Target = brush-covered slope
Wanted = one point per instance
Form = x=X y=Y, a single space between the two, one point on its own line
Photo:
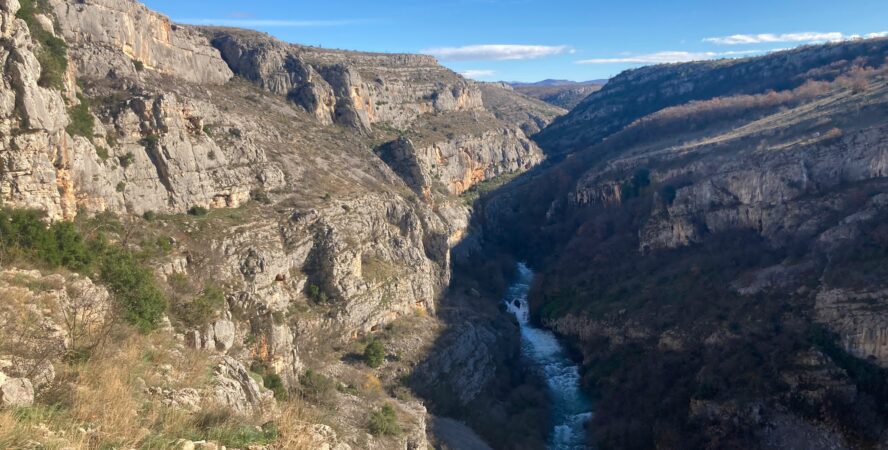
x=514 y=107
x=714 y=249
x=637 y=93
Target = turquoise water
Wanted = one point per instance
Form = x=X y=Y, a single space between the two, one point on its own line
x=571 y=408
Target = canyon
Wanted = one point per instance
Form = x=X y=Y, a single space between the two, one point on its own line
x=212 y=238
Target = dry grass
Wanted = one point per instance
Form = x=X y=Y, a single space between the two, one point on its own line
x=106 y=406
x=292 y=427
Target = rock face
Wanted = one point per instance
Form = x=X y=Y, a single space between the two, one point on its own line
x=349 y=88
x=461 y=162
x=765 y=191
x=33 y=165
x=164 y=160
x=858 y=319
x=122 y=38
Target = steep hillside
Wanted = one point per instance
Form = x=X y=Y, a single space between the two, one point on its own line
x=220 y=205
x=637 y=93
x=513 y=107
x=714 y=242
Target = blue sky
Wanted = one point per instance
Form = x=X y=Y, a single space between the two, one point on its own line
x=530 y=40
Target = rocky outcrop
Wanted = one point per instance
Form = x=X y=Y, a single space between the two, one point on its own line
x=236 y=389
x=33 y=147
x=218 y=336
x=769 y=192
x=122 y=38
x=15 y=392
x=859 y=320
x=461 y=162
x=350 y=88
x=164 y=159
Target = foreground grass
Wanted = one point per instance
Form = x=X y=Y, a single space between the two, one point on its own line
x=102 y=404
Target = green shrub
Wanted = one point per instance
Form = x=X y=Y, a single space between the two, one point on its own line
x=149 y=215
x=203 y=308
x=53 y=52
x=23 y=234
x=316 y=295
x=374 y=354
x=198 y=211
x=82 y=121
x=140 y=301
x=274 y=383
x=221 y=426
x=102 y=152
x=384 y=422
x=260 y=196
x=121 y=186
x=138 y=65
x=164 y=244
x=111 y=140
x=316 y=387
x=271 y=380
x=127 y=160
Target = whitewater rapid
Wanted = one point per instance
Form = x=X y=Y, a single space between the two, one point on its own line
x=571 y=409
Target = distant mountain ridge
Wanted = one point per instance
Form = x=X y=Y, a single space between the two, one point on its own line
x=561 y=93
x=554 y=82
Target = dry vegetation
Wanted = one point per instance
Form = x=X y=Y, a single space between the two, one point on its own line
x=103 y=403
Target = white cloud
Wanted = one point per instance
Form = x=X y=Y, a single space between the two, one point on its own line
x=668 y=57
x=496 y=52
x=475 y=74
x=742 y=39
x=271 y=23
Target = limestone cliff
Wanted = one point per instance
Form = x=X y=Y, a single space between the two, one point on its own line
x=461 y=157
x=122 y=38
x=350 y=88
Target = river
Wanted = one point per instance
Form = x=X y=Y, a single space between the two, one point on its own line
x=571 y=408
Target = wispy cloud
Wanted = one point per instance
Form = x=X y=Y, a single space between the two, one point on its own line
x=477 y=73
x=280 y=23
x=742 y=39
x=241 y=15
x=496 y=52
x=669 y=57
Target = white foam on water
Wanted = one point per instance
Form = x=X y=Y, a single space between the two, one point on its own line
x=570 y=407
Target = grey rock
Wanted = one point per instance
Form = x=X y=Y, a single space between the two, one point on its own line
x=350 y=88
x=106 y=36
x=235 y=389
x=16 y=392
